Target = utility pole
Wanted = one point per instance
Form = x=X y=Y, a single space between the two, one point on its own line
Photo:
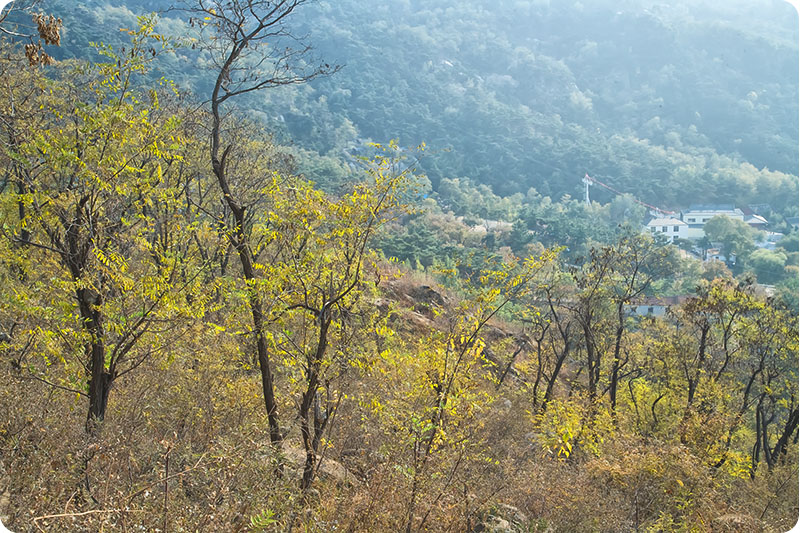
x=586 y=182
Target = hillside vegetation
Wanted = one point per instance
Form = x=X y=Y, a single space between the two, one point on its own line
x=672 y=104
x=206 y=327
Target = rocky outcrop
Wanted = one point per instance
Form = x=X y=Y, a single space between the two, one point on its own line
x=329 y=469
x=736 y=522
x=425 y=300
x=416 y=305
x=410 y=295
x=501 y=518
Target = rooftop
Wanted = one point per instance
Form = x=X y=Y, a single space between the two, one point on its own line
x=663 y=300
x=712 y=207
x=666 y=222
x=755 y=219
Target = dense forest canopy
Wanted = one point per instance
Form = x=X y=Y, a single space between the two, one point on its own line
x=668 y=102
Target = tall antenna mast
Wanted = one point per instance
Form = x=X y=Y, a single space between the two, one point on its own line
x=586 y=182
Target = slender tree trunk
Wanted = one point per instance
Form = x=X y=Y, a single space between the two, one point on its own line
x=510 y=363
x=25 y=234
x=594 y=367
x=738 y=418
x=653 y=409
x=257 y=311
x=765 y=439
x=312 y=435
x=548 y=393
x=264 y=366
x=789 y=427
x=756 y=453
x=615 y=363
x=240 y=243
x=539 y=372
x=701 y=357
x=267 y=385
x=308 y=435
x=412 y=501
x=693 y=380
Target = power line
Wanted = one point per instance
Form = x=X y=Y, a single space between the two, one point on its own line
x=595 y=181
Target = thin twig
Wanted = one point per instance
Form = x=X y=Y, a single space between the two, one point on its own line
x=84 y=513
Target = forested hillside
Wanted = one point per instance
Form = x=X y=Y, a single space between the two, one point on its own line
x=670 y=103
x=250 y=285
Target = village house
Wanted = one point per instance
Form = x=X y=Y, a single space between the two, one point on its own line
x=671 y=228
x=753 y=219
x=697 y=215
x=715 y=254
x=650 y=306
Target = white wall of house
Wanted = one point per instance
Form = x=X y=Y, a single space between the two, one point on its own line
x=647 y=310
x=695 y=233
x=697 y=216
x=672 y=228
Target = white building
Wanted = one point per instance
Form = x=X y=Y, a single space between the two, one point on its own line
x=672 y=228
x=697 y=216
x=715 y=254
x=649 y=306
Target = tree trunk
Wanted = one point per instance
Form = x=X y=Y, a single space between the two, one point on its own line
x=264 y=366
x=510 y=363
x=100 y=378
x=240 y=243
x=308 y=437
x=738 y=418
x=312 y=436
x=594 y=366
x=267 y=385
x=548 y=393
x=615 y=363
x=99 y=387
x=789 y=427
x=701 y=358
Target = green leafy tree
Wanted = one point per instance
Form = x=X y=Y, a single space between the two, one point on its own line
x=790 y=242
x=436 y=389
x=737 y=238
x=768 y=265
x=613 y=278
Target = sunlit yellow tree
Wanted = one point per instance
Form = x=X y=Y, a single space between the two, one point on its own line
x=100 y=257
x=442 y=387
x=321 y=274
